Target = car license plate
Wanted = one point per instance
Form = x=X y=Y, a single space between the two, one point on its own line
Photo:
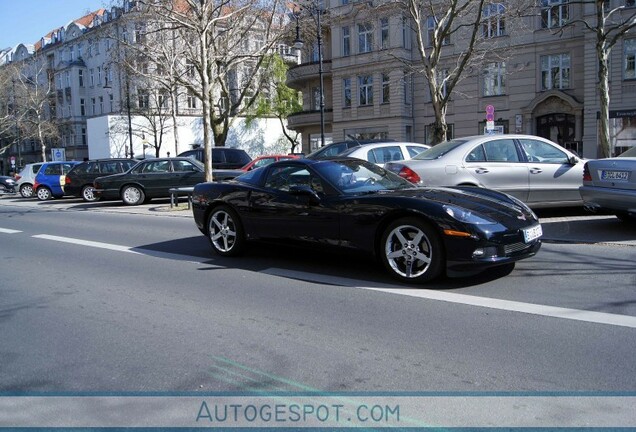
x=614 y=175
x=532 y=233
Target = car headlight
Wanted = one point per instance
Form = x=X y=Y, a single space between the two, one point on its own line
x=467 y=216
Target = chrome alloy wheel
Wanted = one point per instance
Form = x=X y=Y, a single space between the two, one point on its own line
x=408 y=251
x=222 y=231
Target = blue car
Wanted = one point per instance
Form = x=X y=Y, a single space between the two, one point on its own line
x=50 y=180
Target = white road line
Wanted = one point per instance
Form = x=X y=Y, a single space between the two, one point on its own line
x=487 y=302
x=9 y=231
x=119 y=248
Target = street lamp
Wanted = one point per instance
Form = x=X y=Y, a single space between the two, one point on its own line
x=298 y=44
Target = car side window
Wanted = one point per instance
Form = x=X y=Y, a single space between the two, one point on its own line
x=217 y=156
x=53 y=170
x=538 y=151
x=476 y=155
x=282 y=178
x=413 y=151
x=183 y=166
x=262 y=162
x=157 y=167
x=108 y=167
x=503 y=150
x=385 y=154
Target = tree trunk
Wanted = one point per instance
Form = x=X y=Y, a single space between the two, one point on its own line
x=605 y=145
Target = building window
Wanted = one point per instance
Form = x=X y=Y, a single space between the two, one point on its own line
x=140 y=33
x=99 y=75
x=384 y=33
x=555 y=71
x=629 y=49
x=84 y=141
x=365 y=85
x=554 y=13
x=365 y=37
x=191 y=100
x=315 y=98
x=494 y=79
x=386 y=89
x=346 y=41
x=406 y=33
x=431 y=25
x=101 y=104
x=111 y=101
x=68 y=78
x=407 y=89
x=346 y=92
x=442 y=78
x=190 y=68
x=143 y=99
x=162 y=100
x=91 y=77
x=93 y=106
x=493 y=23
x=82 y=107
x=81 y=77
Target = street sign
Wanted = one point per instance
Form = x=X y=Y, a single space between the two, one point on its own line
x=12 y=160
x=58 y=154
x=490 y=117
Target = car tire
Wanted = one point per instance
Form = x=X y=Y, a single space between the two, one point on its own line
x=88 y=194
x=412 y=250
x=132 y=195
x=26 y=190
x=225 y=232
x=43 y=193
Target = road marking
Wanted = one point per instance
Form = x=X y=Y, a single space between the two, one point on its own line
x=486 y=302
x=9 y=231
x=119 y=248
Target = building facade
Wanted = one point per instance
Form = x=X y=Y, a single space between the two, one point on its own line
x=540 y=76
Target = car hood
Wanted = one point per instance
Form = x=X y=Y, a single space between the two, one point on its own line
x=496 y=205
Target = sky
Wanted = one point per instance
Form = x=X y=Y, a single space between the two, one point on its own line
x=26 y=21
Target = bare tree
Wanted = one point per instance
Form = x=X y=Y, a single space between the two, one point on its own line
x=223 y=45
x=609 y=27
x=453 y=37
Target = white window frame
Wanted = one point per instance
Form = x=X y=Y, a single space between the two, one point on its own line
x=346 y=92
x=629 y=59
x=384 y=33
x=493 y=20
x=365 y=90
x=494 y=79
x=386 y=88
x=554 y=13
x=346 y=41
x=553 y=68
x=365 y=38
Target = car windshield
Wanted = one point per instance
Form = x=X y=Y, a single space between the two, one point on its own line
x=439 y=150
x=629 y=153
x=358 y=176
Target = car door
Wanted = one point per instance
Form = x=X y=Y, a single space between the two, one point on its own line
x=187 y=173
x=496 y=164
x=552 y=177
x=157 y=178
x=276 y=211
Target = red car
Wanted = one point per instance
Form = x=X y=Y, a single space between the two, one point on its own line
x=261 y=161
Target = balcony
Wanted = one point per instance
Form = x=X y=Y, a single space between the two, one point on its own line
x=308 y=118
x=298 y=75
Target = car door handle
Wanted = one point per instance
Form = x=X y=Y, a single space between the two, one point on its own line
x=481 y=170
x=536 y=170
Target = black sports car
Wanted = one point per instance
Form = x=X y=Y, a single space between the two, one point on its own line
x=416 y=232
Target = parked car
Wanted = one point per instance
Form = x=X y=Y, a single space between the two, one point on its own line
x=261 y=161
x=381 y=153
x=25 y=179
x=222 y=157
x=79 y=180
x=416 y=232
x=610 y=185
x=532 y=169
x=334 y=149
x=7 y=185
x=150 y=178
x=50 y=179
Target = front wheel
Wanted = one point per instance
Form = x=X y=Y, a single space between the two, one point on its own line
x=88 y=194
x=412 y=250
x=26 y=190
x=132 y=195
x=226 y=232
x=43 y=193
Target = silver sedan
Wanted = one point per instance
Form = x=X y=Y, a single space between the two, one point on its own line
x=610 y=185
x=530 y=168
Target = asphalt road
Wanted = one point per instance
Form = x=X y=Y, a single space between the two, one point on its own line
x=100 y=297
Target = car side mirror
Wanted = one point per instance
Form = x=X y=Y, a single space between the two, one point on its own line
x=573 y=160
x=305 y=191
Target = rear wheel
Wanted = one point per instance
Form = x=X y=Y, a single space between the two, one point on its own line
x=44 y=193
x=26 y=190
x=226 y=232
x=88 y=194
x=132 y=195
x=412 y=250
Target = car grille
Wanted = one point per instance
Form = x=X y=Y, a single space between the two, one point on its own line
x=513 y=248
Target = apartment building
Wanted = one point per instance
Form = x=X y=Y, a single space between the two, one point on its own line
x=99 y=107
x=542 y=81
